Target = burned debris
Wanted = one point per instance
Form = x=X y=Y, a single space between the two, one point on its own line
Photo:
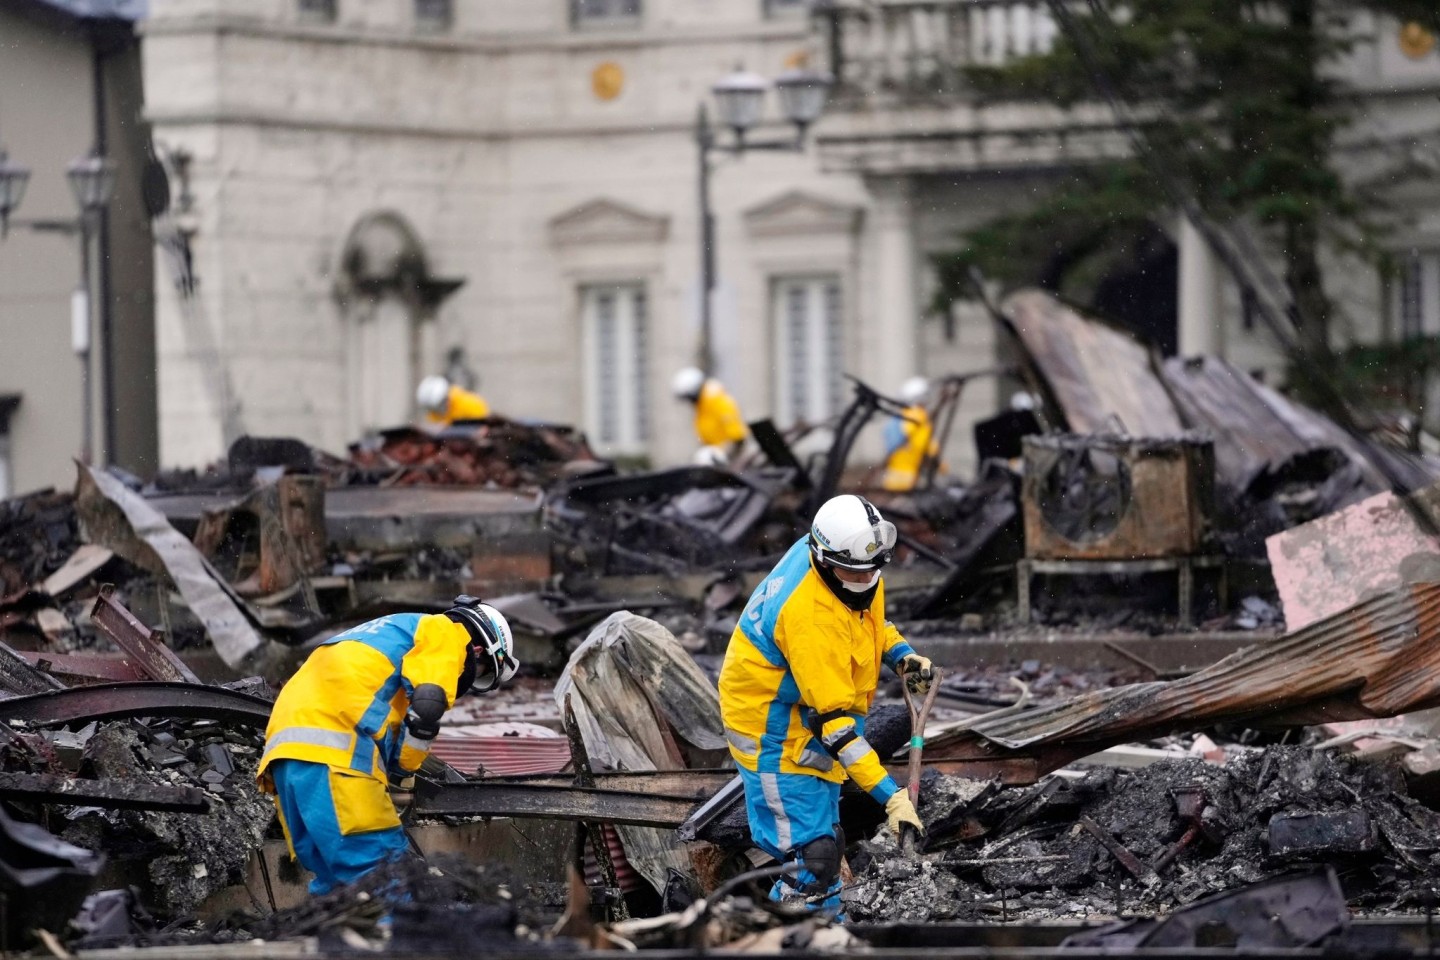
x=1150 y=841
x=1140 y=508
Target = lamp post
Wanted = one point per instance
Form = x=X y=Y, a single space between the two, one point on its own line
x=92 y=181
x=740 y=101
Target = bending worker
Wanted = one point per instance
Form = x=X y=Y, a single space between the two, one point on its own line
x=718 y=424
x=358 y=717
x=798 y=679
x=445 y=402
x=909 y=438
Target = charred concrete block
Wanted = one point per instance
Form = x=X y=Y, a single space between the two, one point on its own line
x=1305 y=835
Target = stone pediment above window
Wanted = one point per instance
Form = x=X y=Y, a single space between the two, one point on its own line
x=607 y=221
x=798 y=212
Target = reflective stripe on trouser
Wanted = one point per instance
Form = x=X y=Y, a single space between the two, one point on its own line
x=312 y=826
x=787 y=811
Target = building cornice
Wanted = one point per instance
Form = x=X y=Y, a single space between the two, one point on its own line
x=499 y=43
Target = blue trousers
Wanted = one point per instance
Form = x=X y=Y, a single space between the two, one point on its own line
x=312 y=825
x=787 y=811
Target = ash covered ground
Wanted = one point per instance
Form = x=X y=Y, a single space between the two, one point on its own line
x=1037 y=861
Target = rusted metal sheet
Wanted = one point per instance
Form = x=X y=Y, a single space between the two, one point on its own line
x=1096 y=374
x=1379 y=658
x=1258 y=431
x=1117 y=498
x=110 y=794
x=85 y=666
x=115 y=701
x=155 y=660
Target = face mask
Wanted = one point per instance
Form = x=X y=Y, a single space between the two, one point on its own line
x=862 y=587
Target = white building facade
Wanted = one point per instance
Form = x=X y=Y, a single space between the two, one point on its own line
x=375 y=190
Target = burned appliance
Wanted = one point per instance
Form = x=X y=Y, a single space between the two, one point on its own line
x=1103 y=497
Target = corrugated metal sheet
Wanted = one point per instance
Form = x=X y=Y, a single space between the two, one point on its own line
x=503 y=749
x=1094 y=372
x=1379 y=658
x=1257 y=429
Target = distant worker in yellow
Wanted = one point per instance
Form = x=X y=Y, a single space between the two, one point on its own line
x=909 y=438
x=445 y=402
x=718 y=424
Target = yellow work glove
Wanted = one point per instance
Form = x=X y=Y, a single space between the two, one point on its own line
x=899 y=810
x=917 y=673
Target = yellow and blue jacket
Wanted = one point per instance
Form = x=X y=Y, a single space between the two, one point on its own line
x=909 y=438
x=461 y=404
x=800 y=675
x=717 y=417
x=345 y=706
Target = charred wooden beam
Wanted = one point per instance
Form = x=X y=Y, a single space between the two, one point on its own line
x=111 y=794
x=489 y=799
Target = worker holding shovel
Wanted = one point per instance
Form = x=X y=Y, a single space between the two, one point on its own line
x=799 y=677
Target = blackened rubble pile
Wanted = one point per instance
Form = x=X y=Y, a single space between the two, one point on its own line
x=441 y=906
x=1049 y=851
x=186 y=856
x=175 y=859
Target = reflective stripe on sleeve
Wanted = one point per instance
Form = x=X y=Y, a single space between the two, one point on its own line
x=412 y=742
x=856 y=749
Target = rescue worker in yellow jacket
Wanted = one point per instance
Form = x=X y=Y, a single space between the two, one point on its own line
x=358 y=718
x=718 y=424
x=798 y=680
x=909 y=438
x=445 y=402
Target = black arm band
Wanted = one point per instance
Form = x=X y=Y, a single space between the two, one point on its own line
x=818 y=721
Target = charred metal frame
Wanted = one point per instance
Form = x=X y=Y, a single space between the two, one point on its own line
x=155 y=660
x=120 y=701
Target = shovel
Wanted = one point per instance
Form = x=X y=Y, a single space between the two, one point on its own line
x=918 y=717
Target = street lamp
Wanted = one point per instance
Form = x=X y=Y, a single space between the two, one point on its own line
x=13 y=179
x=92 y=181
x=740 y=102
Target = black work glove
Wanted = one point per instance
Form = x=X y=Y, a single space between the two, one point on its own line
x=917 y=672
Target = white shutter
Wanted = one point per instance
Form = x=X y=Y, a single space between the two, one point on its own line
x=809 y=349
x=616 y=343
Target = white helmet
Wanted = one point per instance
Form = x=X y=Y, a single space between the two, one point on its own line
x=849 y=532
x=491 y=659
x=432 y=393
x=688 y=382
x=1022 y=401
x=710 y=456
x=912 y=391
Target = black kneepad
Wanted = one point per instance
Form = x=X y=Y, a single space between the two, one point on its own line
x=821 y=857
